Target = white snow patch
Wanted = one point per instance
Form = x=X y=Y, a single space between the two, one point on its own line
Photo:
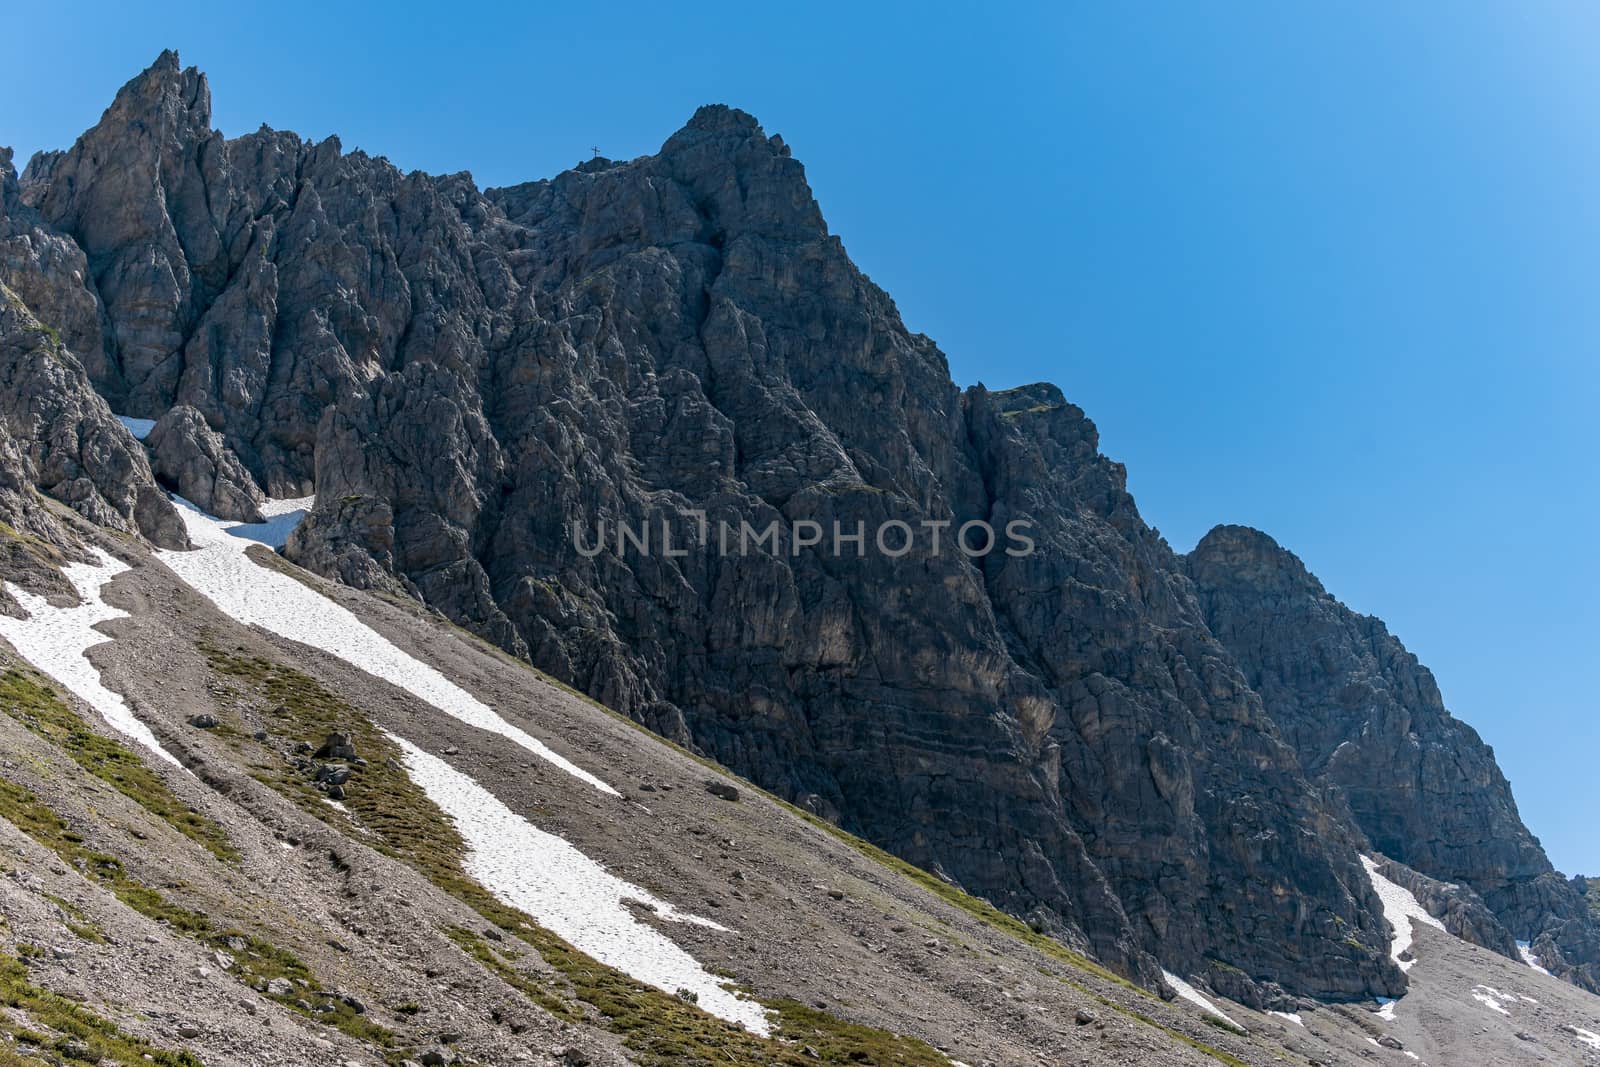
x=570 y=894
x=1386 y=1011
x=1401 y=908
x=255 y=596
x=1413 y=1055
x=282 y=517
x=1588 y=1037
x=1195 y=997
x=56 y=640
x=1525 y=950
x=140 y=428
x=1289 y=1016
x=1493 y=998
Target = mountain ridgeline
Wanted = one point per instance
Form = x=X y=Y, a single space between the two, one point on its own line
x=1169 y=761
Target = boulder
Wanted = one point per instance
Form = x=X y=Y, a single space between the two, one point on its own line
x=197 y=463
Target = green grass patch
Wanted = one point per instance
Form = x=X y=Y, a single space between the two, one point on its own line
x=257 y=962
x=38 y=708
x=559 y=1003
x=1178 y=1035
x=662 y=1030
x=977 y=907
x=76 y=921
x=50 y=333
x=83 y=1035
x=1222 y=1024
x=1037 y=409
x=87 y=931
x=10 y=1057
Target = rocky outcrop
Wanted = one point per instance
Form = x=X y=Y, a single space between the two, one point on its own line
x=59 y=438
x=47 y=272
x=1462 y=911
x=1366 y=717
x=676 y=345
x=180 y=228
x=188 y=455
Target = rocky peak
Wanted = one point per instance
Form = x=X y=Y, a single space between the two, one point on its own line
x=175 y=97
x=715 y=117
x=137 y=190
x=742 y=178
x=1367 y=718
x=1243 y=555
x=8 y=182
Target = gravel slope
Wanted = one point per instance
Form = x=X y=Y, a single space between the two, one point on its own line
x=805 y=915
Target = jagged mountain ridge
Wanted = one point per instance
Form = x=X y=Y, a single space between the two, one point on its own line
x=1367 y=718
x=461 y=374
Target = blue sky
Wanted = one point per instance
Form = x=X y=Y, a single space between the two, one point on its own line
x=1328 y=272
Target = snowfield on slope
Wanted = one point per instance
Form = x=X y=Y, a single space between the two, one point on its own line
x=560 y=887
x=56 y=640
x=1525 y=950
x=219 y=570
x=1588 y=1037
x=1195 y=997
x=570 y=894
x=1493 y=999
x=1400 y=909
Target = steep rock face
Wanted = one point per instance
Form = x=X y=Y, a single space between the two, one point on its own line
x=1462 y=911
x=1366 y=717
x=59 y=437
x=1157 y=730
x=47 y=271
x=676 y=343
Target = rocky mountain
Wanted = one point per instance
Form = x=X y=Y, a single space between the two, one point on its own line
x=1172 y=763
x=1367 y=719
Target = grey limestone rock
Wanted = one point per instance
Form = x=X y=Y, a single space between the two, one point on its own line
x=57 y=436
x=1367 y=719
x=188 y=455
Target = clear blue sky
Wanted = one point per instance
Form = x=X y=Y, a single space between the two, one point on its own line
x=1326 y=271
